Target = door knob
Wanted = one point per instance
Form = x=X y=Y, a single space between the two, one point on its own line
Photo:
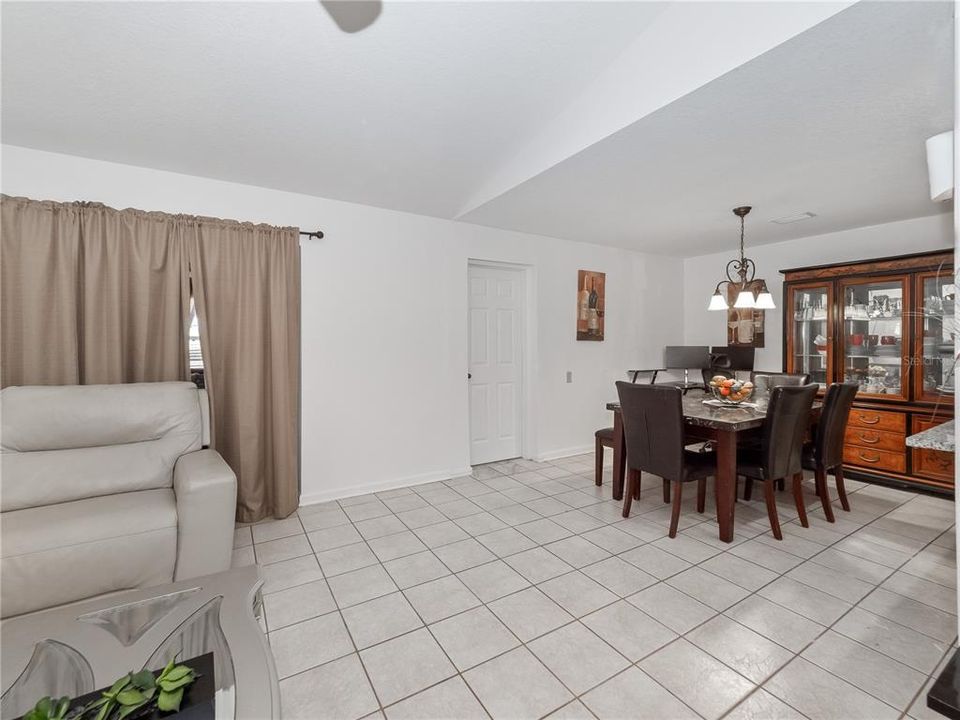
x=469 y=375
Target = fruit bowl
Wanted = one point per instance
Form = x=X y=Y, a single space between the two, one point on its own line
x=730 y=391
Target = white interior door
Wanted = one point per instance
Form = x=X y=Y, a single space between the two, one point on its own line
x=496 y=358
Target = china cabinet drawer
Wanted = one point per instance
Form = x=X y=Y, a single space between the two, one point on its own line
x=878 y=439
x=934 y=464
x=928 y=463
x=878 y=420
x=879 y=459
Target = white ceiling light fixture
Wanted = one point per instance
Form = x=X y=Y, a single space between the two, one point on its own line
x=940 y=166
x=796 y=217
x=745 y=271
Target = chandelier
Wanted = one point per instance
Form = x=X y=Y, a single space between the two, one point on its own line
x=740 y=273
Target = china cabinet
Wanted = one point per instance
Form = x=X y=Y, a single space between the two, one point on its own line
x=887 y=325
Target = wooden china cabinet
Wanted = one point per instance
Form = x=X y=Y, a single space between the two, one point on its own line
x=887 y=325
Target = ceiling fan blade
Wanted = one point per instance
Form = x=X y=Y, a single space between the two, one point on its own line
x=353 y=15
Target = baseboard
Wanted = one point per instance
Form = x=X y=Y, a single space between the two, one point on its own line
x=341 y=493
x=565 y=452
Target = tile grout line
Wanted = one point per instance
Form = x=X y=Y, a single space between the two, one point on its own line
x=427 y=626
x=605 y=522
x=574 y=620
x=845 y=613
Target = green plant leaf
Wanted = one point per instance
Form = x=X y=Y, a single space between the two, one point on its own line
x=104 y=709
x=170 y=701
x=128 y=710
x=118 y=685
x=131 y=696
x=144 y=680
x=178 y=672
x=170 y=686
x=62 y=708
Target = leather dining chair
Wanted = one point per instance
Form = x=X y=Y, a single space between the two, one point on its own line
x=780 y=378
x=767 y=381
x=826 y=452
x=653 y=427
x=779 y=454
x=603 y=438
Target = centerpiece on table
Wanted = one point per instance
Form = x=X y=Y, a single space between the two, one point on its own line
x=184 y=691
x=730 y=391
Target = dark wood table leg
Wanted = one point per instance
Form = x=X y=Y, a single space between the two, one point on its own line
x=619 y=456
x=726 y=482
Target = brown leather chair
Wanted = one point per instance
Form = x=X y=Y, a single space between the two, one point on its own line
x=780 y=378
x=772 y=380
x=603 y=438
x=653 y=427
x=826 y=452
x=779 y=454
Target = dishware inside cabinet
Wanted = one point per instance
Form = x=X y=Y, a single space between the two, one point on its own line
x=873 y=331
x=936 y=329
x=811 y=332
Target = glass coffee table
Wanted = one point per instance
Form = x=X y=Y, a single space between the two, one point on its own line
x=78 y=648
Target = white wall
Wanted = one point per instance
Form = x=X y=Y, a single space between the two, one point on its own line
x=384 y=319
x=701 y=274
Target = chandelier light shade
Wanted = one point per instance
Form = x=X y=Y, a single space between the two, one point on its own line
x=718 y=302
x=741 y=272
x=744 y=299
x=764 y=299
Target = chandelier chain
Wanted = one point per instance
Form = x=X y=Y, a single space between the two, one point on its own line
x=742 y=253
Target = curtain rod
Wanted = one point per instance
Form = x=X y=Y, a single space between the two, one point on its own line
x=318 y=234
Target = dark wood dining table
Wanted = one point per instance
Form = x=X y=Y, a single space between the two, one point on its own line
x=725 y=427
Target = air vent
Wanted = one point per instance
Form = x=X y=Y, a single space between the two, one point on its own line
x=798 y=217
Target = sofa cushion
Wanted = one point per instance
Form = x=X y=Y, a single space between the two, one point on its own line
x=70 y=551
x=63 y=443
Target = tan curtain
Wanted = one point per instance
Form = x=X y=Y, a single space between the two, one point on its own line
x=39 y=306
x=91 y=295
x=135 y=297
x=246 y=286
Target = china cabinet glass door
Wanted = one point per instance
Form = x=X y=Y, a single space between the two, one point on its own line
x=812 y=332
x=875 y=341
x=936 y=326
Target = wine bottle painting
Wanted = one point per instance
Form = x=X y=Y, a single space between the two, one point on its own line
x=591 y=304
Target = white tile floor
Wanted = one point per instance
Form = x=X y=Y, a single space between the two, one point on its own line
x=520 y=592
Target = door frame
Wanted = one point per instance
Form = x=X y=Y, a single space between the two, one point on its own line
x=528 y=348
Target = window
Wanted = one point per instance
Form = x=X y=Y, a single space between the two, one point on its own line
x=196 y=352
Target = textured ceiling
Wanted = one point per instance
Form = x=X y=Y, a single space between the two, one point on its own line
x=536 y=116
x=832 y=122
x=406 y=114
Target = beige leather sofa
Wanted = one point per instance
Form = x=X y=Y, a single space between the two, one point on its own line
x=106 y=488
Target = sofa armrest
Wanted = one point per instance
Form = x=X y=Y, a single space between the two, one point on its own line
x=206 y=491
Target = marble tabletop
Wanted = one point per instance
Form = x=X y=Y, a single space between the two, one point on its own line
x=718 y=418
x=940 y=437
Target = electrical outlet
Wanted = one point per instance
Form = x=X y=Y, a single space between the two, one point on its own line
x=569 y=376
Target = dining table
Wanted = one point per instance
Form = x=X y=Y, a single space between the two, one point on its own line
x=724 y=426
